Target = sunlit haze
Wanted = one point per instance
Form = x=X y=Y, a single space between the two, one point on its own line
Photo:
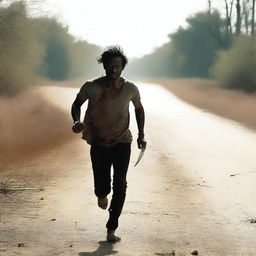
x=138 y=26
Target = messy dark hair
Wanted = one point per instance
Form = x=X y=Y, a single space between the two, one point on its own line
x=111 y=52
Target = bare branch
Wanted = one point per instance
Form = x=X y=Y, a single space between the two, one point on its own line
x=253 y=18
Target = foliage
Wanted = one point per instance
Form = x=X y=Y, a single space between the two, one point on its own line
x=83 y=59
x=33 y=47
x=65 y=57
x=57 y=43
x=235 y=67
x=194 y=47
x=190 y=52
x=20 y=48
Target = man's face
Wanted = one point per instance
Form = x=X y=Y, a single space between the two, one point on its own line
x=114 y=68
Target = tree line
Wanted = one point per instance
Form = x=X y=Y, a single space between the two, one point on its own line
x=223 y=48
x=32 y=48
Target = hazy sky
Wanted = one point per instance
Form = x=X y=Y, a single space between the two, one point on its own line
x=137 y=25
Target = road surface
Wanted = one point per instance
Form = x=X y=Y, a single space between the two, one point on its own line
x=194 y=189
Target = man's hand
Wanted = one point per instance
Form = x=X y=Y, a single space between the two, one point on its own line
x=78 y=127
x=141 y=142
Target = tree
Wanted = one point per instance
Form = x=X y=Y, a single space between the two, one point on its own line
x=194 y=48
x=238 y=18
x=65 y=56
x=245 y=15
x=253 y=18
x=20 y=48
x=229 y=10
x=191 y=50
x=209 y=6
x=244 y=11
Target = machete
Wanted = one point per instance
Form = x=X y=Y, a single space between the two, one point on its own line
x=140 y=155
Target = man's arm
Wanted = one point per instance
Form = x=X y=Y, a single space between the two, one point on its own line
x=81 y=97
x=140 y=118
x=75 y=112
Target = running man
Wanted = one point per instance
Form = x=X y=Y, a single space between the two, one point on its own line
x=106 y=129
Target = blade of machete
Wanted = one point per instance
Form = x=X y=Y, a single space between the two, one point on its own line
x=140 y=155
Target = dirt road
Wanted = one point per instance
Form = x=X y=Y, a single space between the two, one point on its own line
x=193 y=190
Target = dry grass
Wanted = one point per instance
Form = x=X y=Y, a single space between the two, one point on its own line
x=4 y=185
x=208 y=95
x=9 y=185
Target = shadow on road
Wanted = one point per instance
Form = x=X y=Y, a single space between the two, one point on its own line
x=105 y=248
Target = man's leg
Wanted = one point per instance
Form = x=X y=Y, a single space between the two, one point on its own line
x=101 y=165
x=121 y=157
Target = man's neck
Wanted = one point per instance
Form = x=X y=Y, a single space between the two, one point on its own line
x=114 y=83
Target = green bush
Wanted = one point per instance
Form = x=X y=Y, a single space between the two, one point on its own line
x=236 y=68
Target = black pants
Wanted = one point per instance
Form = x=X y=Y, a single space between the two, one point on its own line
x=102 y=160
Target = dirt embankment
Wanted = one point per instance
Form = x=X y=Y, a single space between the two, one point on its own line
x=207 y=95
x=29 y=125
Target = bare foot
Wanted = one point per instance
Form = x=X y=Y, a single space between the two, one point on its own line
x=111 y=237
x=103 y=203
